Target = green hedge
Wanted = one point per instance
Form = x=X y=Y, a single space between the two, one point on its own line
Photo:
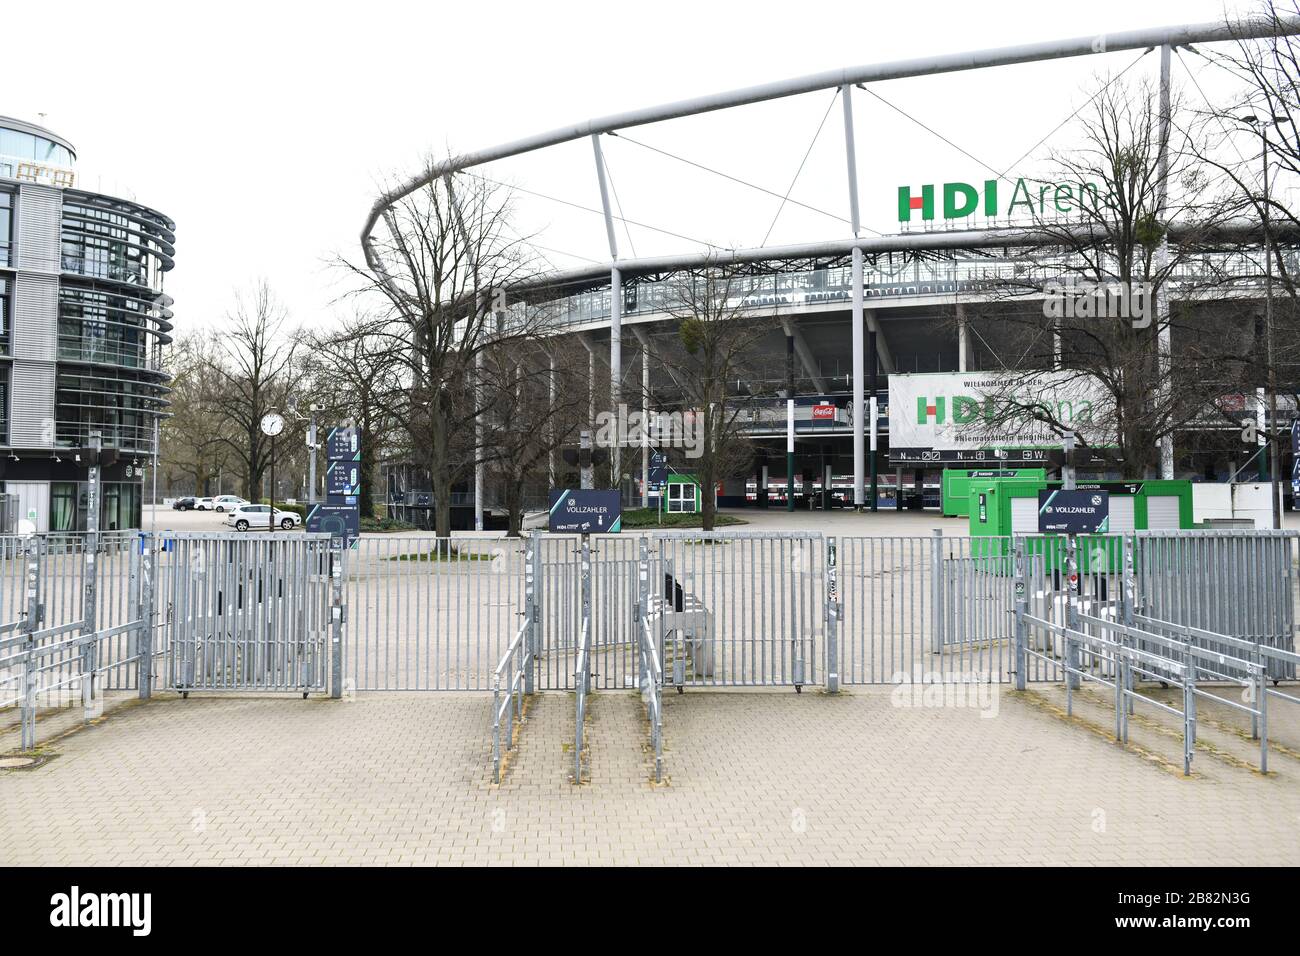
x=298 y=509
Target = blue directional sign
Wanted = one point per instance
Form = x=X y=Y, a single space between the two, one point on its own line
x=1074 y=512
x=1295 y=467
x=341 y=520
x=585 y=512
x=343 y=478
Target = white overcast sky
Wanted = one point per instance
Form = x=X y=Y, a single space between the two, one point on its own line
x=264 y=128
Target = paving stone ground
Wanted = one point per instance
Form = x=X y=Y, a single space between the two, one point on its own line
x=754 y=778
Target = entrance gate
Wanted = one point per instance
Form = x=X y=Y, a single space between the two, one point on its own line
x=247 y=613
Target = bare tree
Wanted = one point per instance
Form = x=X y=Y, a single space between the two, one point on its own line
x=1102 y=269
x=442 y=265
x=254 y=372
x=711 y=362
x=1265 y=107
x=353 y=374
x=189 y=442
x=533 y=399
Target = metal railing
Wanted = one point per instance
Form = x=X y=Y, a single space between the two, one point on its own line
x=652 y=687
x=513 y=670
x=69 y=641
x=1249 y=670
x=651 y=665
x=582 y=685
x=1124 y=661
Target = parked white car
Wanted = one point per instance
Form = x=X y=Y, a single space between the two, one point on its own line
x=257 y=518
x=225 y=503
x=202 y=504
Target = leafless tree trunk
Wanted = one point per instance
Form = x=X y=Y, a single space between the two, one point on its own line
x=711 y=360
x=255 y=372
x=442 y=268
x=1106 y=233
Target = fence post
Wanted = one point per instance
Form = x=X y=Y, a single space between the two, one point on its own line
x=338 y=616
x=31 y=622
x=1022 y=609
x=586 y=606
x=1261 y=705
x=90 y=581
x=530 y=612
x=832 y=617
x=1071 y=608
x=936 y=590
x=144 y=613
x=642 y=607
x=1128 y=609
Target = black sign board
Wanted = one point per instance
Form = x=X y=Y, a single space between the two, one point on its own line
x=1074 y=512
x=341 y=520
x=585 y=512
x=343 y=478
x=658 y=470
x=343 y=444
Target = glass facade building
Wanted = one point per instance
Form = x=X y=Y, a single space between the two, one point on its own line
x=83 y=321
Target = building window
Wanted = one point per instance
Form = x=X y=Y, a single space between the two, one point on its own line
x=98 y=326
x=119 y=510
x=63 y=506
x=6 y=226
x=5 y=287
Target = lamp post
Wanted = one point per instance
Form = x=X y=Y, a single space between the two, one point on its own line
x=1274 y=463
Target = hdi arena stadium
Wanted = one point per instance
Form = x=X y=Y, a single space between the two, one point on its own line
x=898 y=299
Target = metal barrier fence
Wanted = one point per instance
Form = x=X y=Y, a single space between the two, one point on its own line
x=516 y=668
x=247 y=612
x=80 y=622
x=690 y=608
x=428 y=613
x=1240 y=583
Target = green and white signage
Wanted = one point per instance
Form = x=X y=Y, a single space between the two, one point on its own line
x=988 y=416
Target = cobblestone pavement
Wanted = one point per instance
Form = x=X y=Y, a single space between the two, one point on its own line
x=755 y=777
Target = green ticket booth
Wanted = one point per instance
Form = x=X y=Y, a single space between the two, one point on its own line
x=1005 y=507
x=958 y=482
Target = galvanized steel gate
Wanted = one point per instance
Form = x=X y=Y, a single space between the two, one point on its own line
x=247 y=613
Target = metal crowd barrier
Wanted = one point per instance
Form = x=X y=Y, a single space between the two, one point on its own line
x=514 y=668
x=70 y=641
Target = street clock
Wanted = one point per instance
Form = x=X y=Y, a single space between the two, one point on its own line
x=272 y=424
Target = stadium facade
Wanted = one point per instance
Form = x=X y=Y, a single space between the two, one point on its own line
x=912 y=294
x=83 y=319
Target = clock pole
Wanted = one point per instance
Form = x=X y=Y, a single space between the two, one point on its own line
x=271 y=516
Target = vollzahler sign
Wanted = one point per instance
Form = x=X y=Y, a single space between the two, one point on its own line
x=1073 y=512
x=575 y=511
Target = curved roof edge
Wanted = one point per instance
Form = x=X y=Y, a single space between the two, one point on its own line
x=1242 y=29
x=22 y=126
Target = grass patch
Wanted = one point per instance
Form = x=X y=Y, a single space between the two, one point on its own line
x=651 y=518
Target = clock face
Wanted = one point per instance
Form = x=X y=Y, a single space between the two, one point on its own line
x=272 y=424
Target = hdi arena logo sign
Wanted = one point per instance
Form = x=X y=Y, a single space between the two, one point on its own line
x=1024 y=197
